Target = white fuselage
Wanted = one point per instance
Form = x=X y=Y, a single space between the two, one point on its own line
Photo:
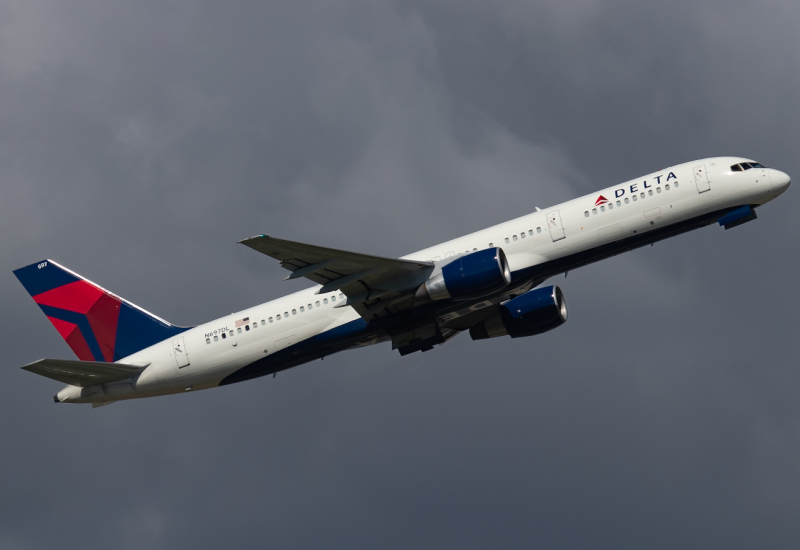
x=634 y=208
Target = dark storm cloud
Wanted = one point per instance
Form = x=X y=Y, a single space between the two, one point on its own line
x=138 y=142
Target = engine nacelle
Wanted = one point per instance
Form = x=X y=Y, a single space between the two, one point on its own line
x=470 y=276
x=534 y=312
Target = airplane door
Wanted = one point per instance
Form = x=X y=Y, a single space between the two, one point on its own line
x=555 y=226
x=179 y=350
x=701 y=179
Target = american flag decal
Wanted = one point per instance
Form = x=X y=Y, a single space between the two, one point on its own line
x=242 y=322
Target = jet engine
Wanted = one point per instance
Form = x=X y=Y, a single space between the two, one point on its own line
x=534 y=312
x=470 y=276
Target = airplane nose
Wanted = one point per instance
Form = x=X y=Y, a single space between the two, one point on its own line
x=780 y=181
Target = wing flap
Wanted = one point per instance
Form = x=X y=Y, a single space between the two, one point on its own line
x=83 y=373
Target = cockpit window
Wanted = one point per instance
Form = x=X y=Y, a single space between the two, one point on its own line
x=746 y=165
x=757 y=165
x=736 y=168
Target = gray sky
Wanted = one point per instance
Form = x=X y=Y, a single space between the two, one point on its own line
x=139 y=141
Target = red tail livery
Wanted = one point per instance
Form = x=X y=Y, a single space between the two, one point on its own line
x=96 y=324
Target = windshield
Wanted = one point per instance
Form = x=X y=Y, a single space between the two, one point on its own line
x=746 y=166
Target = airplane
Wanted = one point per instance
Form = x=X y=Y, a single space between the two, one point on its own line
x=486 y=283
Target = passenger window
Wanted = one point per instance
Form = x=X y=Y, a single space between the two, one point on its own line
x=325 y=301
x=223 y=336
x=586 y=213
x=317 y=303
x=658 y=190
x=538 y=229
x=474 y=249
x=255 y=325
x=302 y=309
x=333 y=298
x=515 y=238
x=246 y=328
x=263 y=322
x=666 y=187
x=239 y=330
x=270 y=319
x=602 y=209
x=208 y=340
x=278 y=316
x=677 y=184
x=231 y=334
x=530 y=232
x=294 y=312
x=650 y=192
x=626 y=200
x=285 y=314
x=216 y=338
x=522 y=235
x=491 y=245
x=619 y=203
x=594 y=210
x=611 y=206
x=642 y=194
x=341 y=296
x=507 y=241
x=310 y=307
x=635 y=198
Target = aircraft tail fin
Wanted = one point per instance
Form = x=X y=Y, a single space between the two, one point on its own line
x=97 y=324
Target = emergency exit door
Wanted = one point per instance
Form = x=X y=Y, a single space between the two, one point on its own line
x=179 y=351
x=701 y=179
x=554 y=225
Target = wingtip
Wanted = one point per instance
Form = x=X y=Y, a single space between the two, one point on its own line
x=244 y=241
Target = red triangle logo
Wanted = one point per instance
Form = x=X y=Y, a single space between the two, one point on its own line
x=600 y=200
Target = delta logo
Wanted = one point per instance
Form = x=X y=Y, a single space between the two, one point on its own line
x=634 y=188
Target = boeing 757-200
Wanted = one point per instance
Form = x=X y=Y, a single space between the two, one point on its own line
x=486 y=283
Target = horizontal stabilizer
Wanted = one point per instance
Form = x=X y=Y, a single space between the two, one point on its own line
x=83 y=373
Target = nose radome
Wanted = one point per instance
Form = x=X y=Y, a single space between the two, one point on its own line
x=780 y=181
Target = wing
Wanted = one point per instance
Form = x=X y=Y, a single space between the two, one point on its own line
x=374 y=286
x=83 y=373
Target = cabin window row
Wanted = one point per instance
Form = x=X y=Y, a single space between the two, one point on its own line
x=277 y=317
x=627 y=200
x=522 y=235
